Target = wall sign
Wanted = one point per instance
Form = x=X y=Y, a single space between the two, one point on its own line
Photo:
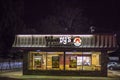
x=77 y=41
x=65 y=39
x=69 y=41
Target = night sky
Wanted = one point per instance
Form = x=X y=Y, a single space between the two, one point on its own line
x=51 y=17
x=105 y=15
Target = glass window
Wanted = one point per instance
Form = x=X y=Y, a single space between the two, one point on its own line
x=55 y=60
x=82 y=61
x=73 y=61
x=46 y=60
x=37 y=60
x=79 y=60
x=86 y=60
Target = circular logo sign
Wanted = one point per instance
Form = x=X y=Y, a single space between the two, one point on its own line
x=77 y=41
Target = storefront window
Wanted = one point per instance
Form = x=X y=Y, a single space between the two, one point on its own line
x=55 y=60
x=86 y=60
x=82 y=61
x=79 y=60
x=73 y=61
x=37 y=60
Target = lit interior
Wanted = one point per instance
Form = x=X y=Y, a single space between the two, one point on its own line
x=73 y=61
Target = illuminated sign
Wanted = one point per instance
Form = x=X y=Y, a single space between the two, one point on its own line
x=65 y=39
x=77 y=41
x=70 y=41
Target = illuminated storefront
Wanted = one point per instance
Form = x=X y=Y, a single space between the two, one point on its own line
x=84 y=55
x=73 y=61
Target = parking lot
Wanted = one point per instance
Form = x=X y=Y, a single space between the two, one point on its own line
x=17 y=75
x=113 y=73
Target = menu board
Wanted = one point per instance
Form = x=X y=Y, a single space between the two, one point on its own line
x=73 y=62
x=55 y=61
x=37 y=61
x=86 y=61
x=79 y=60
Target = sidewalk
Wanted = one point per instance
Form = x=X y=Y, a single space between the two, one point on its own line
x=18 y=76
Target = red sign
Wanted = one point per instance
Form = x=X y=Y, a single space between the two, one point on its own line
x=77 y=41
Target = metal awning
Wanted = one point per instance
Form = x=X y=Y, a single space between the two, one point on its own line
x=66 y=41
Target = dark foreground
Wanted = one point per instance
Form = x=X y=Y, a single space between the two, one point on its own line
x=17 y=75
x=80 y=78
x=6 y=78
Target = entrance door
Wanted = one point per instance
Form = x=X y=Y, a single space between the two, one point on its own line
x=37 y=62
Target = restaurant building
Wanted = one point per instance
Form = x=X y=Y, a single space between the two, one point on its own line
x=78 y=55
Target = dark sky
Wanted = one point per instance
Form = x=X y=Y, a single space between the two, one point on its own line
x=104 y=13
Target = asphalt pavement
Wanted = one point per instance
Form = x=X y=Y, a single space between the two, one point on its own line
x=17 y=75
